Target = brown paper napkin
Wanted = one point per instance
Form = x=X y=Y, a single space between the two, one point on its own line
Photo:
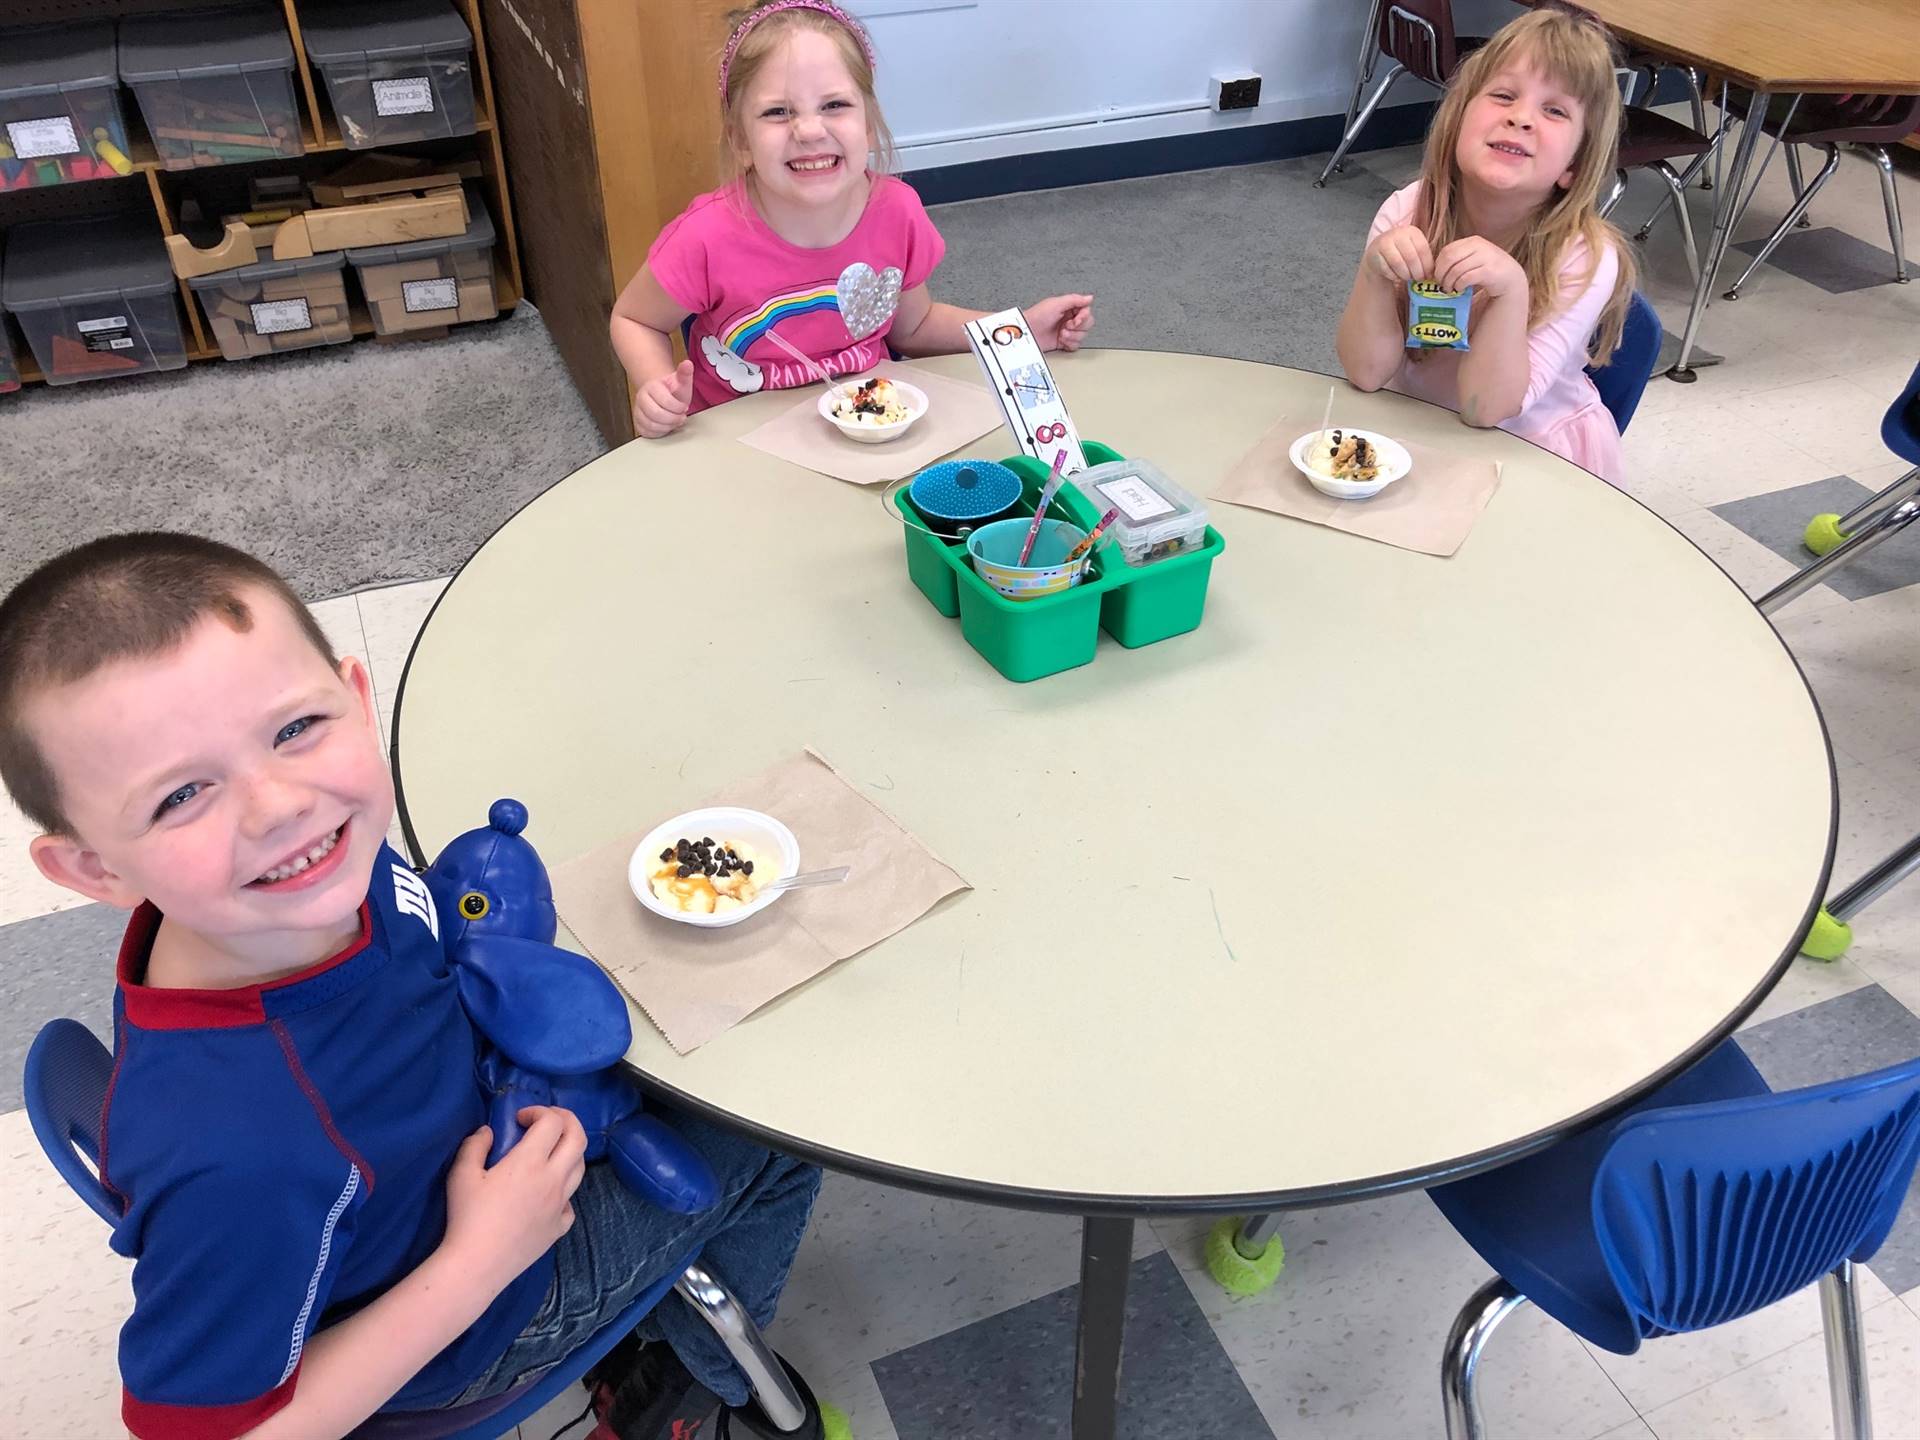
x=1430 y=510
x=958 y=413
x=695 y=983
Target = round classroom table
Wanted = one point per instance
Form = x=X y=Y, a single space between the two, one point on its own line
x=1397 y=868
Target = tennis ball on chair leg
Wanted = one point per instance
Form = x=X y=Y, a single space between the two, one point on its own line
x=834 y=1424
x=1828 y=939
x=1824 y=534
x=1234 y=1272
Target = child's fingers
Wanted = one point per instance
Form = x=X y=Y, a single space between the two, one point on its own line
x=472 y=1154
x=683 y=382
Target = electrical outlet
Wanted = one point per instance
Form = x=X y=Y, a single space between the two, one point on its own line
x=1235 y=92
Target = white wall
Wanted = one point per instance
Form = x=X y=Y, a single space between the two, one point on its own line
x=968 y=80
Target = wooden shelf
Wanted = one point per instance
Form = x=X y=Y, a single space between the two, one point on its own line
x=319 y=135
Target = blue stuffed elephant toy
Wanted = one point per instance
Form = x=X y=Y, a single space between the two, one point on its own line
x=553 y=1026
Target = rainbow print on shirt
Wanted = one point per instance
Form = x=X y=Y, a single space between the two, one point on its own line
x=808 y=300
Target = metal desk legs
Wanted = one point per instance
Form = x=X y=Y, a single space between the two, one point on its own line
x=1106 y=1265
x=1729 y=201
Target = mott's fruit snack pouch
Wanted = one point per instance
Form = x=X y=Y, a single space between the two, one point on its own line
x=1436 y=318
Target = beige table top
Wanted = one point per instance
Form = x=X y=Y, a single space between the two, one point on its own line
x=1834 y=47
x=1395 y=864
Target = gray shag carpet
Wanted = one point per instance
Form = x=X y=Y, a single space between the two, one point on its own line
x=366 y=464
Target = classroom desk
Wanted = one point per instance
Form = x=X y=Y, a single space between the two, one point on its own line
x=1394 y=870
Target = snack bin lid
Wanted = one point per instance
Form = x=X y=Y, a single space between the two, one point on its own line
x=202 y=44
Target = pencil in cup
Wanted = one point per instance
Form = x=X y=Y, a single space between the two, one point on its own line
x=1093 y=536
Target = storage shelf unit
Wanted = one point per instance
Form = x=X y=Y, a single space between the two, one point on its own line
x=152 y=187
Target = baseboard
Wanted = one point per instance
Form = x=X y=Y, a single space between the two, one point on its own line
x=1130 y=160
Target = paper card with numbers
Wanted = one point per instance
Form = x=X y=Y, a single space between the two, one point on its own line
x=1018 y=376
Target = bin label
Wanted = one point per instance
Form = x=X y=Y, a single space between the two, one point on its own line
x=1134 y=498
x=419 y=295
x=412 y=96
x=42 y=139
x=110 y=322
x=280 y=317
x=97 y=340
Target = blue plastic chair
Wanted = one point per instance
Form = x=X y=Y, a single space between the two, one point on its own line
x=1712 y=1198
x=66 y=1087
x=1623 y=380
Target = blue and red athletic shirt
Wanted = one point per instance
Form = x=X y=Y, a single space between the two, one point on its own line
x=281 y=1153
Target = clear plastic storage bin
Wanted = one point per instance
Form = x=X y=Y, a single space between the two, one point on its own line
x=396 y=72
x=60 y=117
x=423 y=284
x=95 y=298
x=1156 y=517
x=215 y=86
x=277 y=305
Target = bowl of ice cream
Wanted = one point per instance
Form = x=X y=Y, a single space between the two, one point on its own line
x=1350 y=464
x=709 y=867
x=873 y=411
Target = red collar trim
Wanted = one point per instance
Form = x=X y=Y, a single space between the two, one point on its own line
x=152 y=1009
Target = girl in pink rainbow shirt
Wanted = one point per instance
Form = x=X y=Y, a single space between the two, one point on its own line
x=1507 y=202
x=809 y=260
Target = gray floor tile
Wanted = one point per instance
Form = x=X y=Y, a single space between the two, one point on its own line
x=58 y=964
x=1832 y=259
x=1849 y=1035
x=1778 y=520
x=1012 y=1374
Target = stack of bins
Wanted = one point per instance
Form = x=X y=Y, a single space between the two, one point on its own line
x=60 y=116
x=215 y=86
x=424 y=284
x=95 y=298
x=277 y=305
x=397 y=71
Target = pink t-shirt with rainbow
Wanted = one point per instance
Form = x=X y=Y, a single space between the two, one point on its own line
x=742 y=284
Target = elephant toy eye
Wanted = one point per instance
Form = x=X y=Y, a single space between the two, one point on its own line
x=473 y=905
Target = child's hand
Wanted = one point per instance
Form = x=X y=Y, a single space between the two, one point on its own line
x=1400 y=255
x=1472 y=260
x=1060 y=322
x=502 y=1220
x=661 y=406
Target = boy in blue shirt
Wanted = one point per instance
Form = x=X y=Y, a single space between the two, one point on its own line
x=294 y=1128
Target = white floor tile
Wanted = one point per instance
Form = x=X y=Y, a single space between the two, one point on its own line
x=1663 y=1371
x=1862 y=662
x=1785 y=1397
x=1348 y=1341
x=1808 y=982
x=25 y=894
x=1634 y=1429
x=66 y=1297
x=390 y=618
x=340 y=619
x=1836 y=421
x=1752 y=566
x=1713 y=456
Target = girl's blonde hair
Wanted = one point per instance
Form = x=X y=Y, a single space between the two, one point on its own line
x=759 y=45
x=1575 y=52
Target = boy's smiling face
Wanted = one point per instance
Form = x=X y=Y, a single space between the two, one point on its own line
x=236 y=781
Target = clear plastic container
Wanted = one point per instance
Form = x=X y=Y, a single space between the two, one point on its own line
x=60 y=117
x=424 y=284
x=1157 y=518
x=95 y=298
x=277 y=305
x=396 y=70
x=215 y=86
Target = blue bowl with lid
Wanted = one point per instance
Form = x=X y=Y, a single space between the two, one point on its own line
x=957 y=497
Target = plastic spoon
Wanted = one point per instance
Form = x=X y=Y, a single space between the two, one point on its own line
x=808 y=877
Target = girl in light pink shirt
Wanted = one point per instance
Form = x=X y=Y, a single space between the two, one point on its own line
x=1507 y=202
x=808 y=261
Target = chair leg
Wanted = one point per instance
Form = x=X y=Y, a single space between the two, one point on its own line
x=1881 y=528
x=1786 y=224
x=1491 y=1304
x=1394 y=72
x=1614 y=192
x=1878 y=504
x=1696 y=166
x=1697 y=102
x=766 y=1376
x=1890 y=197
x=1846 y=1354
x=1798 y=183
x=1676 y=189
x=1363 y=67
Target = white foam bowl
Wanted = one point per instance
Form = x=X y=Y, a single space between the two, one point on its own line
x=1395 y=463
x=915 y=397
x=728 y=825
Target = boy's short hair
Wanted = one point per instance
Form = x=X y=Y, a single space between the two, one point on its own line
x=121 y=597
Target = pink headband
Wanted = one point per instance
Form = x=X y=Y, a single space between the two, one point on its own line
x=745 y=28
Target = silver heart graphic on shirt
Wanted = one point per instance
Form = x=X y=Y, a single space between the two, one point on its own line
x=867 y=301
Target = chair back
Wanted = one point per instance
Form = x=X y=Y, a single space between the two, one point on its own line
x=1420 y=35
x=1623 y=379
x=1856 y=119
x=1901 y=429
x=66 y=1090
x=1705 y=1213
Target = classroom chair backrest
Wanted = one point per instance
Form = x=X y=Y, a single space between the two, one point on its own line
x=1623 y=379
x=1420 y=35
x=66 y=1088
x=1901 y=429
x=1705 y=1213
